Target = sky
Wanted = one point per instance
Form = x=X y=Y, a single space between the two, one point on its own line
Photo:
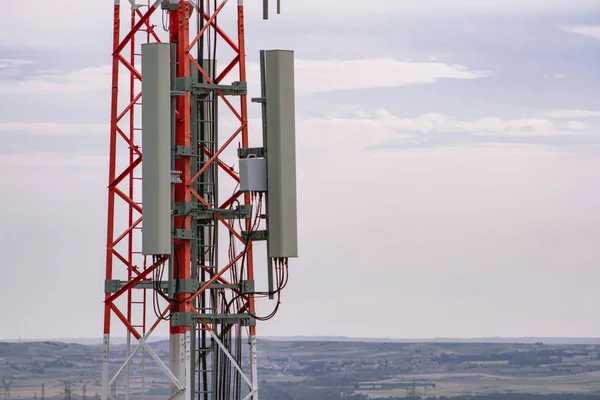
x=447 y=158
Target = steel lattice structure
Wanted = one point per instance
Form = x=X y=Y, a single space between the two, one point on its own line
x=206 y=355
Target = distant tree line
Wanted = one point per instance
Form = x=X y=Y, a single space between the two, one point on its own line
x=549 y=356
x=300 y=391
x=502 y=396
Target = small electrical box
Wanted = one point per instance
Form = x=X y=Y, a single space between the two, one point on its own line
x=253 y=174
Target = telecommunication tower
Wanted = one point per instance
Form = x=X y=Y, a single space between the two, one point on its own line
x=184 y=221
x=7 y=383
x=67 y=390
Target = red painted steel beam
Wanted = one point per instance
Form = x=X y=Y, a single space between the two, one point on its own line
x=244 y=115
x=180 y=34
x=226 y=168
x=130 y=67
x=222 y=34
x=136 y=280
x=216 y=155
x=227 y=69
x=150 y=28
x=128 y=141
x=127 y=324
x=231 y=199
x=209 y=22
x=126 y=263
x=221 y=95
x=127 y=199
x=112 y=162
x=114 y=182
x=128 y=231
x=213 y=280
x=136 y=27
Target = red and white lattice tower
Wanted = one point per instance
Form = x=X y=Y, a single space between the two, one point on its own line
x=186 y=117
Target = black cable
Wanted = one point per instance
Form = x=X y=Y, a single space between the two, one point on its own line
x=253 y=229
x=157 y=279
x=214 y=70
x=282 y=283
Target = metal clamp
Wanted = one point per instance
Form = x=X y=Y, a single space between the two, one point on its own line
x=176 y=176
x=192 y=210
x=186 y=234
x=245 y=152
x=255 y=236
x=187 y=84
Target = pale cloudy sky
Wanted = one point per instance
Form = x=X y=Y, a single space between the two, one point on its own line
x=447 y=166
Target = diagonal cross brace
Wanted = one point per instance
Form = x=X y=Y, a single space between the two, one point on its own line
x=252 y=393
x=142 y=343
x=233 y=361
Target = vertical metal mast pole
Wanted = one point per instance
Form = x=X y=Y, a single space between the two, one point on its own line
x=112 y=174
x=132 y=155
x=180 y=335
x=247 y=199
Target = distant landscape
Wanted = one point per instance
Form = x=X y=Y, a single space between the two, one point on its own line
x=530 y=340
x=339 y=368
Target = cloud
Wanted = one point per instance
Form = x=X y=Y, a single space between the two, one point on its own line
x=52 y=129
x=382 y=129
x=312 y=76
x=568 y=114
x=433 y=122
x=577 y=126
x=45 y=16
x=65 y=139
x=591 y=31
x=13 y=68
x=7 y=63
x=351 y=130
x=451 y=169
x=315 y=76
x=92 y=79
x=46 y=21
x=450 y=200
x=12 y=163
x=455 y=7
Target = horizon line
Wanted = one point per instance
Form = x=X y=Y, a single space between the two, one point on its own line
x=419 y=339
